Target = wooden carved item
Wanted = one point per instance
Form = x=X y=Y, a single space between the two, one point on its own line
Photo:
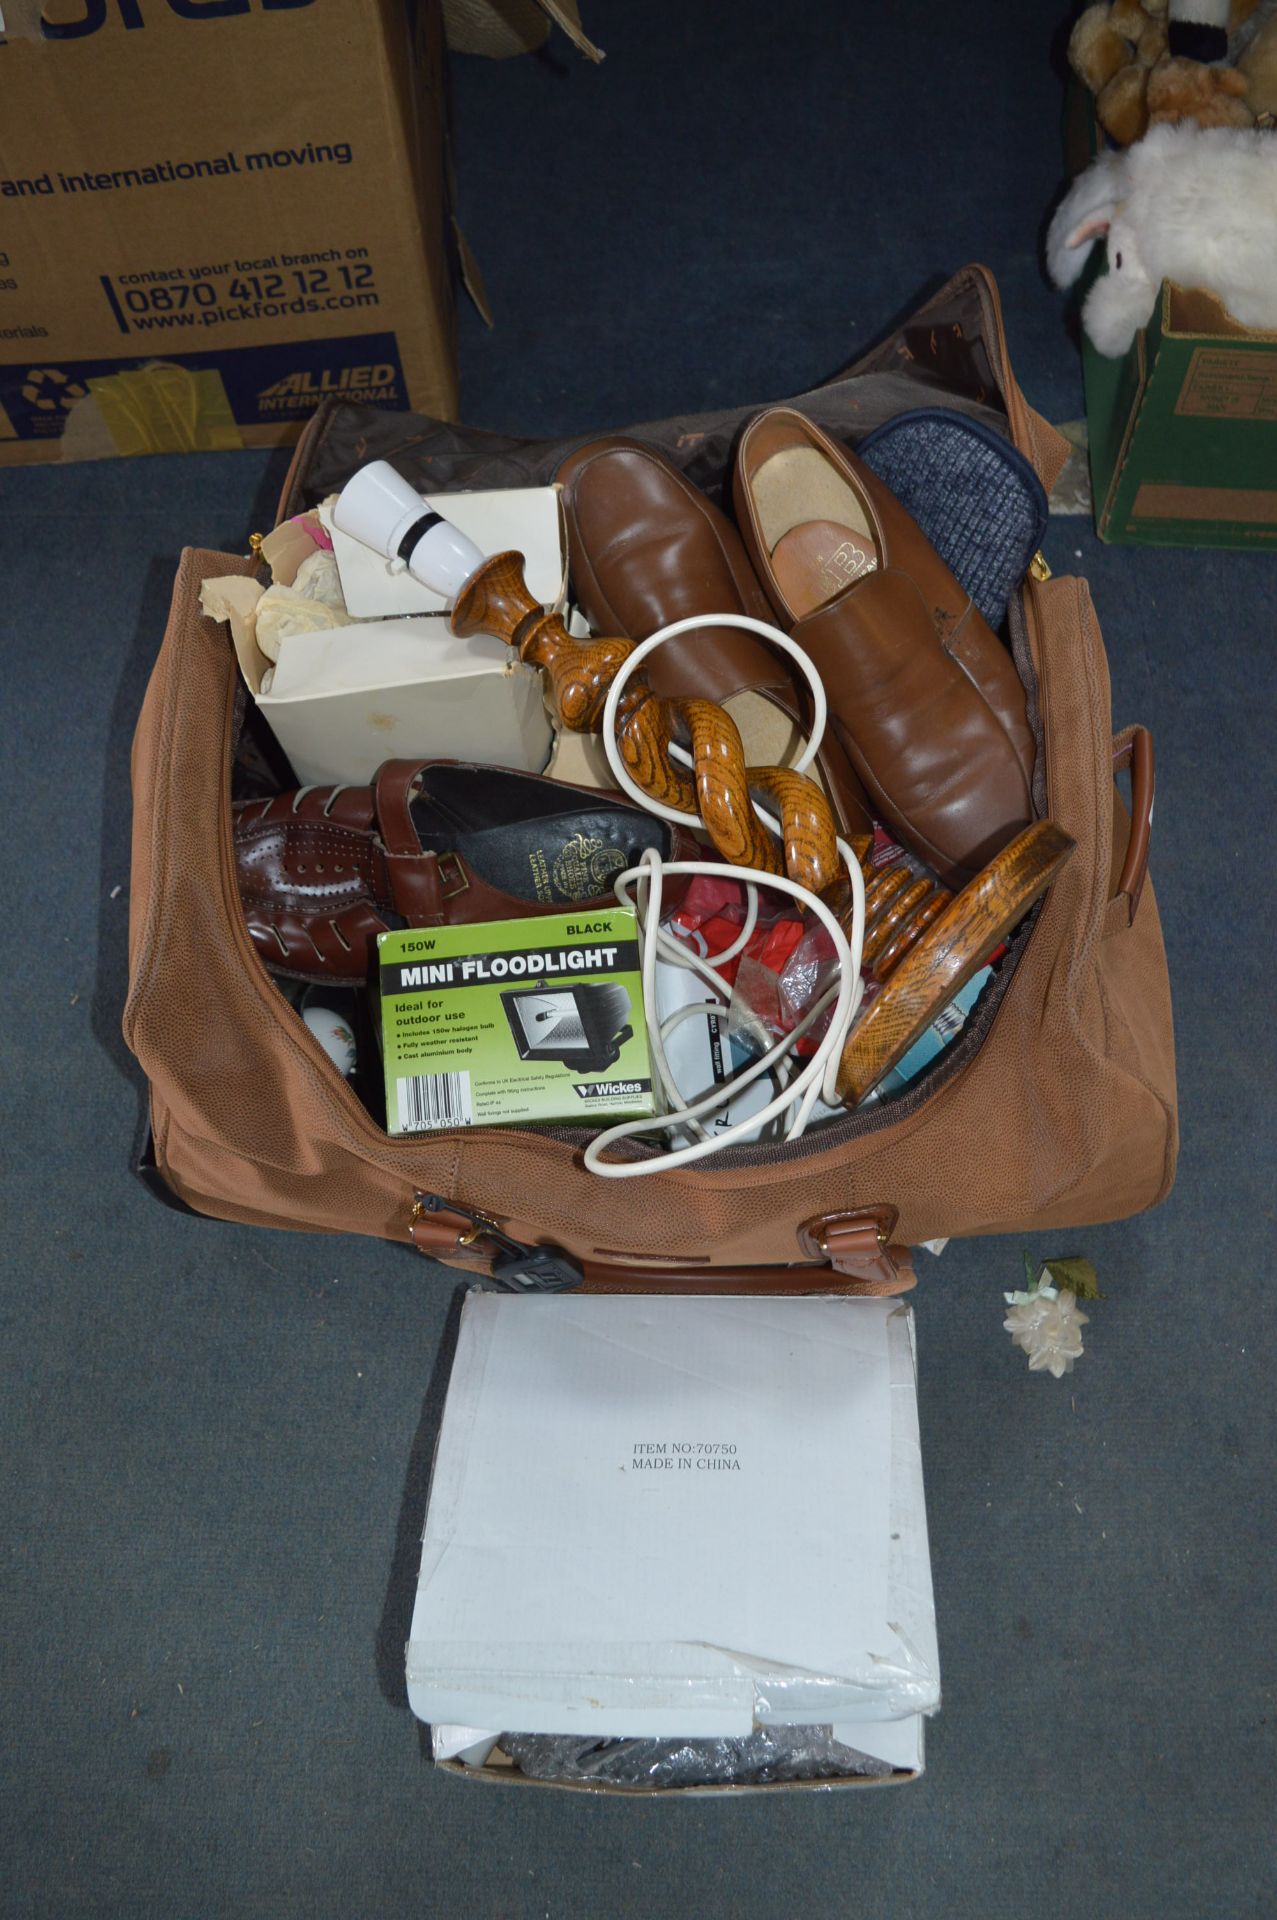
x=922 y=944
x=942 y=956
x=496 y=600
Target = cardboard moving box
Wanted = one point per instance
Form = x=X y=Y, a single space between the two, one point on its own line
x=211 y=216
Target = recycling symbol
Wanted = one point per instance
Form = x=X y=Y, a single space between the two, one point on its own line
x=51 y=390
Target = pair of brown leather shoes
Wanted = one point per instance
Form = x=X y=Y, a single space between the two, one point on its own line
x=927 y=714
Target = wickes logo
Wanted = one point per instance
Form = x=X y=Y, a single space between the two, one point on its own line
x=94 y=14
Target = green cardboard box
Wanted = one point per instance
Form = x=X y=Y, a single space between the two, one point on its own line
x=515 y=1022
x=1183 y=429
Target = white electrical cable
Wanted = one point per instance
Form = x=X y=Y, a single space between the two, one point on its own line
x=817 y=1079
x=772 y=635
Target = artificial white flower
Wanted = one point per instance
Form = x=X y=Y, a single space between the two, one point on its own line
x=1047 y=1325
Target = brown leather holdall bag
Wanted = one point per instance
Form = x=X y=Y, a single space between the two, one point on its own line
x=1055 y=1107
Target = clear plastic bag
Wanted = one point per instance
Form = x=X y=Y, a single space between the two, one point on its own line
x=767 y=1755
x=774 y=989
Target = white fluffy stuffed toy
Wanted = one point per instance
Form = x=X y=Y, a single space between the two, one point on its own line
x=1197 y=205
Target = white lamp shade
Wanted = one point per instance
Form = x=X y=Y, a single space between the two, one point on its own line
x=444 y=558
x=379 y=507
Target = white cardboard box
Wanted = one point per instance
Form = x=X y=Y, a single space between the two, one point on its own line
x=676 y=1517
x=343 y=700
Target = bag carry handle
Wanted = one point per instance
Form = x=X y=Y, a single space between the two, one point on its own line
x=854 y=1254
x=1133 y=748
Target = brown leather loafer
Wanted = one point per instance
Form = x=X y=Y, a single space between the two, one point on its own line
x=921 y=691
x=322 y=871
x=647 y=548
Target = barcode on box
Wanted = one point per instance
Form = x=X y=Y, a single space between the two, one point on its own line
x=434 y=1100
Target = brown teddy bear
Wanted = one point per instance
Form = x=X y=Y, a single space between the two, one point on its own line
x=1187 y=90
x=1259 y=65
x=1120 y=52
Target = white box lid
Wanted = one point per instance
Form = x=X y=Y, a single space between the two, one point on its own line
x=384 y=657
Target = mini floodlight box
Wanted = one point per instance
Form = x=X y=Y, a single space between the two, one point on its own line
x=535 y=1021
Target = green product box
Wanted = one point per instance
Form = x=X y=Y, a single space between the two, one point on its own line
x=512 y=1022
x=1183 y=428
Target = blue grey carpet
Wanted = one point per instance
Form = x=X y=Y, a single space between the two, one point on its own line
x=216 y=1441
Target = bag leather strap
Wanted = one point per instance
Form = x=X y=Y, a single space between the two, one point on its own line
x=852 y=1254
x=415 y=883
x=859 y=1244
x=1133 y=748
x=823 y=1279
